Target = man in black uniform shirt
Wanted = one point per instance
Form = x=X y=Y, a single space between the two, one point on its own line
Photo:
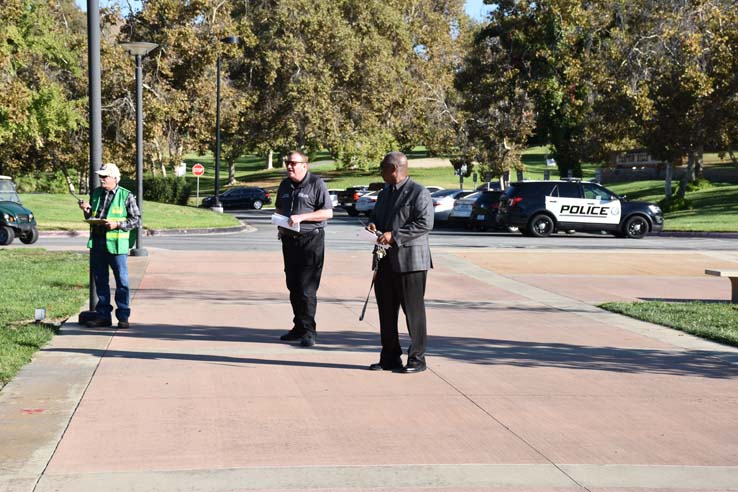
x=304 y=198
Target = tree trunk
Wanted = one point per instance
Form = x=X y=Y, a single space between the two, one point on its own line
x=159 y=156
x=270 y=156
x=698 y=164
x=688 y=176
x=667 y=179
x=231 y=170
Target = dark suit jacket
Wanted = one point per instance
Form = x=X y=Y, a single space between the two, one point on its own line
x=410 y=220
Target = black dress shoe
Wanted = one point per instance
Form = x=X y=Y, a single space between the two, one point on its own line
x=384 y=367
x=99 y=323
x=123 y=324
x=291 y=336
x=412 y=367
x=307 y=340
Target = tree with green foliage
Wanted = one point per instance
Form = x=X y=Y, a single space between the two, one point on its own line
x=665 y=78
x=351 y=76
x=529 y=57
x=180 y=78
x=42 y=96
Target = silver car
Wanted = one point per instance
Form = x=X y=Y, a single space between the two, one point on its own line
x=462 y=209
x=443 y=202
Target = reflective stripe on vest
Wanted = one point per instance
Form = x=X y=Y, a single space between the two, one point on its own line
x=116 y=241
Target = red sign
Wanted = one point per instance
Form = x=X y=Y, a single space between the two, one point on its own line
x=198 y=169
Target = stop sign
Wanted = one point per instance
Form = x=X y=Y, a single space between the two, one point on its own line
x=198 y=169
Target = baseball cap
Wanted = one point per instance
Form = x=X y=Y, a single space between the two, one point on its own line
x=109 y=169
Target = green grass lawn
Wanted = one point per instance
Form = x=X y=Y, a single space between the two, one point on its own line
x=60 y=212
x=713 y=321
x=714 y=209
x=35 y=278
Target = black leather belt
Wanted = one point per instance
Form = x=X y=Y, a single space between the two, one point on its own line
x=296 y=235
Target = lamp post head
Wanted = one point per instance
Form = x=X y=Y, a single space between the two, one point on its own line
x=139 y=48
x=231 y=40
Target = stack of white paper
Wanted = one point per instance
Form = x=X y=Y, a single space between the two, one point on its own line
x=282 y=221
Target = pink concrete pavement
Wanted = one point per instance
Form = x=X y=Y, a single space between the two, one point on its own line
x=530 y=387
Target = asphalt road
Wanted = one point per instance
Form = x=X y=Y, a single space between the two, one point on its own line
x=341 y=235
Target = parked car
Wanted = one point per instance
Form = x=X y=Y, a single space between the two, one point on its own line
x=347 y=198
x=365 y=204
x=15 y=219
x=443 y=202
x=484 y=212
x=334 y=197
x=462 y=209
x=240 y=197
x=540 y=208
x=433 y=189
x=491 y=185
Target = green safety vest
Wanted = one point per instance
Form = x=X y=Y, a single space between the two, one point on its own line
x=118 y=242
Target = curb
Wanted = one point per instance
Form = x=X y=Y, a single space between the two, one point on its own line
x=720 y=235
x=161 y=232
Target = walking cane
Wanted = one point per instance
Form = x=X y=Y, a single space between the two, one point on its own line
x=378 y=253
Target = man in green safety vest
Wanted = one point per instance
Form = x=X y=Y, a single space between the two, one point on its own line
x=109 y=243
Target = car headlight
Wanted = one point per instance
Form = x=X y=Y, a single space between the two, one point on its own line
x=654 y=209
x=30 y=217
x=6 y=216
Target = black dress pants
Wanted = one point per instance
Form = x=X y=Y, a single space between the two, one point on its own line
x=392 y=291
x=303 y=266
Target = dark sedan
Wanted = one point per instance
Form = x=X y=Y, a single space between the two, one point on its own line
x=240 y=197
x=484 y=212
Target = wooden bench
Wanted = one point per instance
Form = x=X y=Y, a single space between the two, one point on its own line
x=732 y=275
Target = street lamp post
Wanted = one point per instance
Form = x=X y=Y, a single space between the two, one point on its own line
x=138 y=50
x=217 y=207
x=95 y=119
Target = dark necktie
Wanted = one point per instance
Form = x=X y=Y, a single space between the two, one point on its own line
x=387 y=215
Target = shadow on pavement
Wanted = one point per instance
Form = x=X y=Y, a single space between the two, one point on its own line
x=475 y=350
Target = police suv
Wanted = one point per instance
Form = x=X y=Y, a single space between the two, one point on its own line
x=540 y=208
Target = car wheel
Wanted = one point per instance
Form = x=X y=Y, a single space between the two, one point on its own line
x=352 y=212
x=257 y=204
x=541 y=225
x=6 y=235
x=30 y=237
x=636 y=227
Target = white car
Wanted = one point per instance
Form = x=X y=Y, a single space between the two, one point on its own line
x=365 y=204
x=334 y=197
x=463 y=208
x=443 y=202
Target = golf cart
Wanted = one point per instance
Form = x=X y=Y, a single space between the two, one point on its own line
x=15 y=219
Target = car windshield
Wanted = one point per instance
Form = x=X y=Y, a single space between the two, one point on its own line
x=7 y=191
x=489 y=197
x=470 y=198
x=442 y=193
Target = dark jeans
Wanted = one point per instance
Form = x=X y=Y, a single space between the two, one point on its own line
x=303 y=267
x=102 y=262
x=392 y=291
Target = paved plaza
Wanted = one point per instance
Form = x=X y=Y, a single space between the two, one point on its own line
x=530 y=386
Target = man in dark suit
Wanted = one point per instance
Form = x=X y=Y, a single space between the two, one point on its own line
x=403 y=218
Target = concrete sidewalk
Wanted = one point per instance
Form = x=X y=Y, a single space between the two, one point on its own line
x=530 y=387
